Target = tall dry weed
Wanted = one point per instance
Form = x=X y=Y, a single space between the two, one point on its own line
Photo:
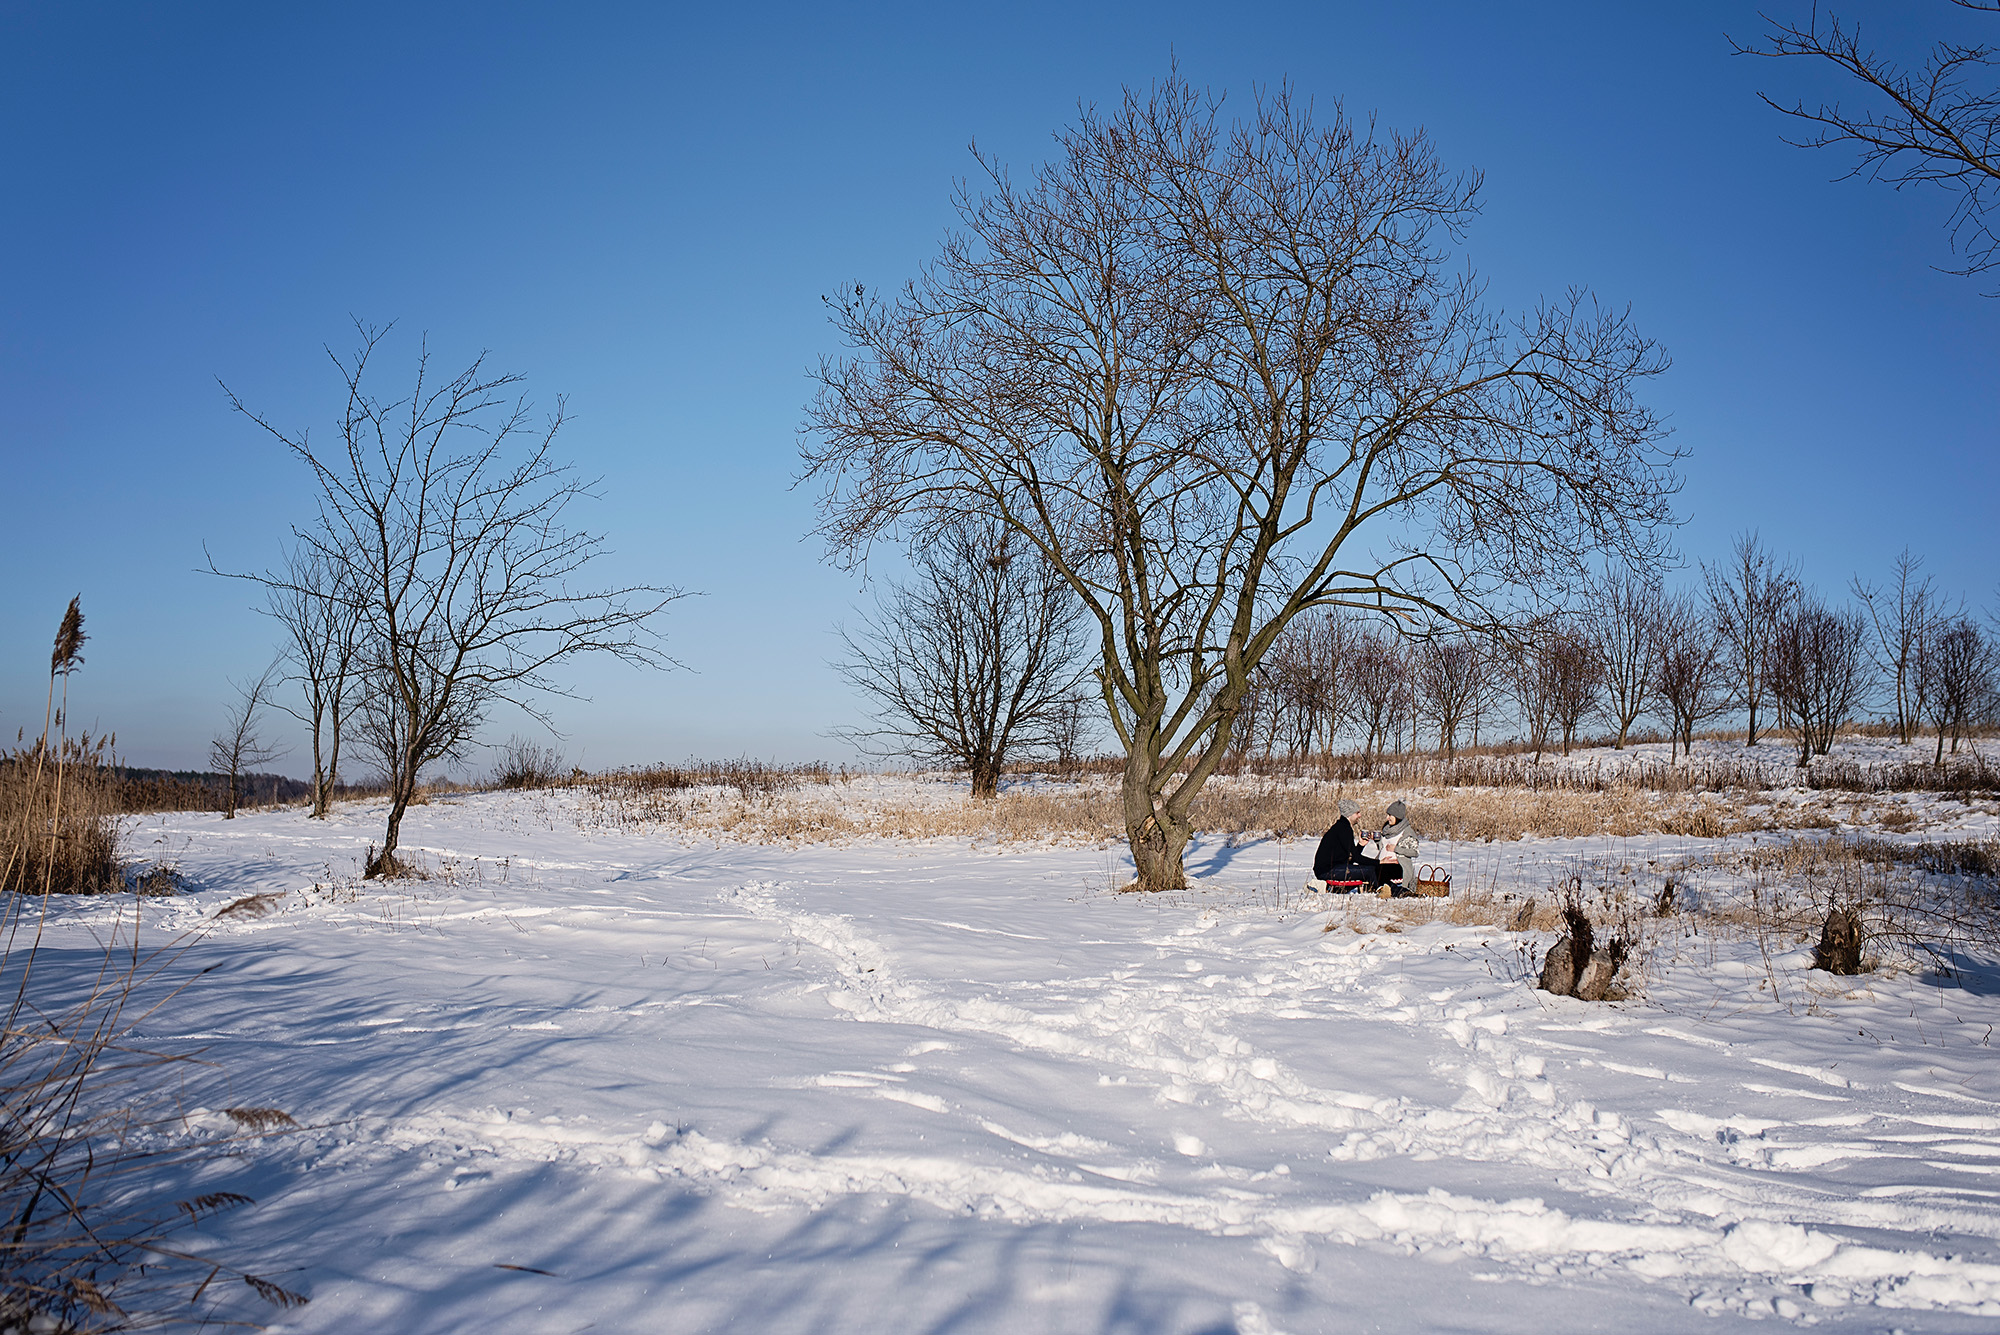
x=89 y=1117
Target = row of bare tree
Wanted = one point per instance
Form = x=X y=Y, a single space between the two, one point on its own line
x=1753 y=641
x=981 y=658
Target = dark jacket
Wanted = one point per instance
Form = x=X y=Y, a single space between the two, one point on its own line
x=1336 y=849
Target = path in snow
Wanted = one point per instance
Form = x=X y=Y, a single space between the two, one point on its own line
x=896 y=1088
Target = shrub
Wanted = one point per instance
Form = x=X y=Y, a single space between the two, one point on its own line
x=526 y=764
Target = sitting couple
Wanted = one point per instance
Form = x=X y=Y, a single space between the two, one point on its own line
x=1383 y=859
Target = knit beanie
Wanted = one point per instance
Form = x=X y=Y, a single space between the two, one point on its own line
x=1349 y=807
x=1398 y=812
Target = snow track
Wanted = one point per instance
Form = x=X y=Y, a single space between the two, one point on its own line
x=1691 y=1199
x=1266 y=1126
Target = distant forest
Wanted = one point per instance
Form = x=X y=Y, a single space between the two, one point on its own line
x=198 y=790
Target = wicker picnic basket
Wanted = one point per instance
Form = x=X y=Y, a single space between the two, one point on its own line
x=1433 y=881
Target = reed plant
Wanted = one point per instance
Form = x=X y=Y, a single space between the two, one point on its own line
x=92 y=1129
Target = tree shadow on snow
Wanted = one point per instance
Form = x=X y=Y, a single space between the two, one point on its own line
x=1972 y=974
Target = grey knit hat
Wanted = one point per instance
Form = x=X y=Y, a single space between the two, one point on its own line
x=1398 y=812
x=1349 y=807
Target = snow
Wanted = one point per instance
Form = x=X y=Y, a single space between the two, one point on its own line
x=629 y=1080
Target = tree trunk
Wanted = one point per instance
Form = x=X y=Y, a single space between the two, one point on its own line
x=324 y=808
x=985 y=779
x=385 y=863
x=1751 y=739
x=229 y=803
x=319 y=775
x=1157 y=838
x=402 y=789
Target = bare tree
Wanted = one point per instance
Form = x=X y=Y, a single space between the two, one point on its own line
x=1936 y=125
x=1534 y=685
x=1305 y=669
x=1818 y=670
x=240 y=747
x=978 y=658
x=1747 y=596
x=321 y=617
x=446 y=513
x=1378 y=675
x=1220 y=374
x=1492 y=686
x=1448 y=673
x=1901 y=616
x=1958 y=665
x=1620 y=622
x=1575 y=679
x=1691 y=670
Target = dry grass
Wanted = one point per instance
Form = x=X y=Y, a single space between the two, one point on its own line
x=840 y=807
x=58 y=809
x=93 y=1123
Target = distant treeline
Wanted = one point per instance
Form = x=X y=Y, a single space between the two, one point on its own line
x=131 y=789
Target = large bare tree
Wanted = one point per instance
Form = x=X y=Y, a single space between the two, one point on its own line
x=446 y=512
x=1936 y=125
x=976 y=658
x=1222 y=372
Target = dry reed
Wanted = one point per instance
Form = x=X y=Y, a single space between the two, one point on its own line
x=91 y=1123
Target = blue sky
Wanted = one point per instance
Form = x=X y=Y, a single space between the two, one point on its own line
x=639 y=207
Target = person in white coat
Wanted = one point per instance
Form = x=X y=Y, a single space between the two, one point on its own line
x=1396 y=847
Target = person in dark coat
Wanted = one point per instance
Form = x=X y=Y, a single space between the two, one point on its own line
x=1340 y=853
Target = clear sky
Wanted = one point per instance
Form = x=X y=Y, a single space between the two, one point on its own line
x=639 y=206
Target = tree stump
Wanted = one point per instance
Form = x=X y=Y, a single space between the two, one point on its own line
x=1559 y=969
x=1594 y=983
x=1576 y=966
x=1839 y=949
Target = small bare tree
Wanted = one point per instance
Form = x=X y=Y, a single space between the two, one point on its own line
x=1308 y=682
x=1575 y=679
x=1448 y=672
x=1818 y=670
x=321 y=617
x=1902 y=617
x=446 y=514
x=1691 y=670
x=1936 y=125
x=976 y=659
x=240 y=747
x=1492 y=687
x=1620 y=621
x=1957 y=663
x=1378 y=673
x=1532 y=678
x=1747 y=596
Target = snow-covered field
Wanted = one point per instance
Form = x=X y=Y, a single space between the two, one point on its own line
x=628 y=1081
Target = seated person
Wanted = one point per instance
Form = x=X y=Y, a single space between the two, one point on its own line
x=1397 y=844
x=1339 y=857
